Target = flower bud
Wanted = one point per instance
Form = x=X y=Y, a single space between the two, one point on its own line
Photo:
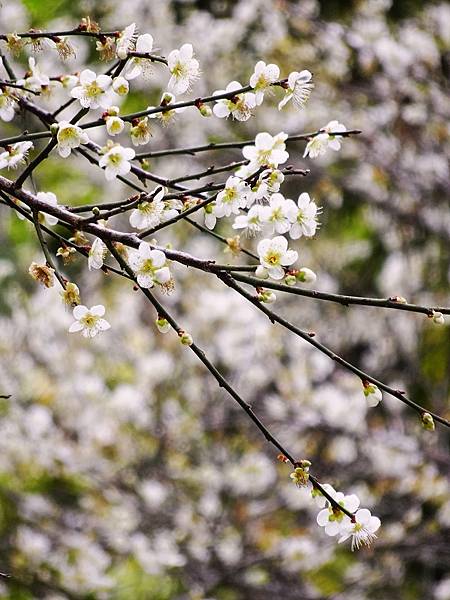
x=185 y=338
x=290 y=280
x=427 y=421
x=438 y=318
x=205 y=110
x=54 y=127
x=162 y=325
x=306 y=275
x=261 y=272
x=372 y=393
x=267 y=296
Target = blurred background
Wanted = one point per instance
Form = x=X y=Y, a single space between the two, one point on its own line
x=124 y=472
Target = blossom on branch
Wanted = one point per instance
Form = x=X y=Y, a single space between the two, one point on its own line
x=149 y=266
x=69 y=136
x=274 y=255
x=89 y=320
x=239 y=106
x=184 y=69
x=299 y=88
x=93 y=90
x=117 y=161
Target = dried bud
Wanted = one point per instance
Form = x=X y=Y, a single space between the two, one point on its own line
x=106 y=47
x=43 y=274
x=87 y=24
x=14 y=43
x=66 y=253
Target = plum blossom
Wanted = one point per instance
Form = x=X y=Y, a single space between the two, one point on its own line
x=140 y=132
x=125 y=43
x=35 y=80
x=269 y=151
x=149 y=266
x=7 y=104
x=166 y=116
x=97 y=254
x=114 y=124
x=69 y=136
x=136 y=66
x=317 y=146
x=93 y=90
x=274 y=255
x=184 y=69
x=89 y=320
x=14 y=155
x=372 y=393
x=298 y=90
x=279 y=214
x=232 y=198
x=117 y=161
x=51 y=199
x=150 y=213
x=331 y=518
x=251 y=222
x=239 y=106
x=262 y=78
x=120 y=86
x=305 y=218
x=362 y=531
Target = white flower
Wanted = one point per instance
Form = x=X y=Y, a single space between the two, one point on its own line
x=121 y=86
x=149 y=214
x=251 y=222
x=97 y=254
x=298 y=90
x=305 y=218
x=149 y=266
x=114 y=124
x=273 y=179
x=280 y=213
x=184 y=69
x=262 y=78
x=140 y=133
x=116 y=161
x=125 y=43
x=69 y=81
x=372 y=393
x=362 y=531
x=167 y=115
x=268 y=150
x=69 y=136
x=138 y=65
x=6 y=106
x=318 y=144
x=36 y=80
x=274 y=255
x=92 y=91
x=331 y=518
x=231 y=198
x=319 y=498
x=51 y=199
x=210 y=217
x=15 y=155
x=239 y=106
x=89 y=321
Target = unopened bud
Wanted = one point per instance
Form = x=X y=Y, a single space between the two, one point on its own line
x=185 y=338
x=306 y=275
x=162 y=325
x=54 y=127
x=427 y=421
x=267 y=296
x=205 y=110
x=261 y=272
x=290 y=280
x=438 y=318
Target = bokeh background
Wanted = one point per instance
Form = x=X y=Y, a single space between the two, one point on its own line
x=124 y=472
